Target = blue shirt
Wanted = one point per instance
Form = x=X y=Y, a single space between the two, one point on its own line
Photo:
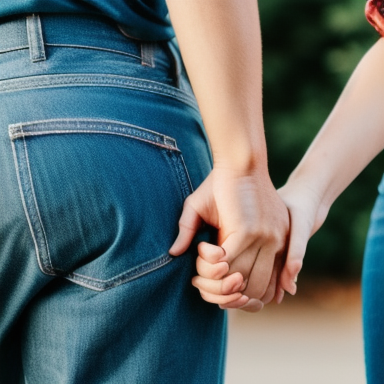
x=142 y=19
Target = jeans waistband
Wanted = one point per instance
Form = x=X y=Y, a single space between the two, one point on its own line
x=35 y=32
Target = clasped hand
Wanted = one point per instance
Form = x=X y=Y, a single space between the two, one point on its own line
x=243 y=270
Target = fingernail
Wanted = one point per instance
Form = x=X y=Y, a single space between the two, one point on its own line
x=224 y=257
x=255 y=304
x=295 y=280
x=233 y=285
x=237 y=287
x=293 y=289
x=244 y=285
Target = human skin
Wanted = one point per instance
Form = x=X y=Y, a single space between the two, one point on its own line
x=221 y=48
x=350 y=138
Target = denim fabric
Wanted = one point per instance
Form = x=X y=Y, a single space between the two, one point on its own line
x=100 y=143
x=373 y=293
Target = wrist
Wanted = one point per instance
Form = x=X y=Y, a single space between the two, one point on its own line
x=316 y=181
x=304 y=195
x=244 y=159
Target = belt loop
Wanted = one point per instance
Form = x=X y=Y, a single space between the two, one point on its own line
x=35 y=39
x=147 y=54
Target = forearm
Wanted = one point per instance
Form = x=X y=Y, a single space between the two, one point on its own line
x=352 y=135
x=221 y=47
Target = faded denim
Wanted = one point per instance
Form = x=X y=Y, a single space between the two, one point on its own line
x=100 y=143
x=373 y=293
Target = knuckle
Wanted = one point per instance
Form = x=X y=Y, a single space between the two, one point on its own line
x=275 y=239
x=268 y=235
x=183 y=223
x=230 y=285
x=213 y=272
x=224 y=269
x=275 y=236
x=216 y=273
x=254 y=232
x=225 y=290
x=222 y=289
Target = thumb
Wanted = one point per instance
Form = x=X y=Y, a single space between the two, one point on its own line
x=300 y=232
x=189 y=223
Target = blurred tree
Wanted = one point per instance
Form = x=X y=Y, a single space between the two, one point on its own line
x=310 y=49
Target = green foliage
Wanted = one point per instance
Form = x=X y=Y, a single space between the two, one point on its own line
x=310 y=49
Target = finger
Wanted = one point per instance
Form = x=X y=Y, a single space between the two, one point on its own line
x=211 y=253
x=189 y=224
x=298 y=240
x=219 y=299
x=261 y=273
x=279 y=295
x=239 y=257
x=230 y=284
x=274 y=290
x=253 y=305
x=237 y=304
x=270 y=292
x=211 y=271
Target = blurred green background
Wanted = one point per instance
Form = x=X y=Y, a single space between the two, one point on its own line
x=310 y=48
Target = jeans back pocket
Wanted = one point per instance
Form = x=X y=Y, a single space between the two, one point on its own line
x=102 y=198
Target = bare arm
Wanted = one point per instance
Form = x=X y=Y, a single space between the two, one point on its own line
x=221 y=47
x=350 y=138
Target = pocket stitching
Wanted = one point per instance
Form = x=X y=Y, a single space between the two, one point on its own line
x=17 y=131
x=26 y=187
x=178 y=165
x=129 y=275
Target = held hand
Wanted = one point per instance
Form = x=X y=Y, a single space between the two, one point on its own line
x=216 y=287
x=252 y=223
x=307 y=213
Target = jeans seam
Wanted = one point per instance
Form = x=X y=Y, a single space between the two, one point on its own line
x=125 y=277
x=31 y=209
x=96 y=48
x=20 y=130
x=118 y=81
x=18 y=48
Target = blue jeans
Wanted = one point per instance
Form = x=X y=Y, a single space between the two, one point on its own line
x=373 y=294
x=101 y=141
